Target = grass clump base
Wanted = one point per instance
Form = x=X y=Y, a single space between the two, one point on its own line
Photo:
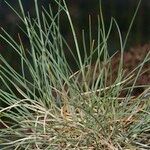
x=56 y=108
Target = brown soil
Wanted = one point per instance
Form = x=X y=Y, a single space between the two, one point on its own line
x=131 y=59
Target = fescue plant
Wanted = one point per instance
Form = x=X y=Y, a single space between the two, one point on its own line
x=57 y=108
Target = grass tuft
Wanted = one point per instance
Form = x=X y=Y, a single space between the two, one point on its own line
x=48 y=106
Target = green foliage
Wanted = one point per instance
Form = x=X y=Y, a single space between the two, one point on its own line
x=57 y=108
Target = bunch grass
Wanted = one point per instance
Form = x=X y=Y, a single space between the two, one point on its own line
x=56 y=108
